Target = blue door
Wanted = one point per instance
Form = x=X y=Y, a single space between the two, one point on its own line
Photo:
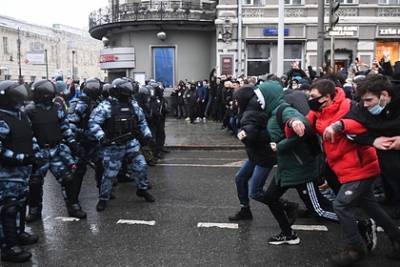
x=163 y=64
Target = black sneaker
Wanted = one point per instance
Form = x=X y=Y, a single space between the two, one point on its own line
x=241 y=215
x=348 y=257
x=25 y=239
x=395 y=253
x=101 y=205
x=146 y=195
x=76 y=211
x=280 y=239
x=291 y=209
x=15 y=254
x=368 y=230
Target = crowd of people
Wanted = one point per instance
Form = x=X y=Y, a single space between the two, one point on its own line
x=336 y=132
x=113 y=128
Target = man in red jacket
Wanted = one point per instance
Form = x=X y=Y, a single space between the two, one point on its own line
x=356 y=167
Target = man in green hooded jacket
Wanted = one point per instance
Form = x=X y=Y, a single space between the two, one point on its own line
x=297 y=162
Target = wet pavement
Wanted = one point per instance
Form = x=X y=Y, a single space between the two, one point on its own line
x=185 y=135
x=191 y=187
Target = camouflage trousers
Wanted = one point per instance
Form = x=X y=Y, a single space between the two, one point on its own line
x=112 y=157
x=14 y=181
x=58 y=160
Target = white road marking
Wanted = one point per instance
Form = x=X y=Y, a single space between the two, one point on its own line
x=67 y=219
x=45 y=219
x=235 y=164
x=310 y=227
x=195 y=165
x=219 y=225
x=122 y=221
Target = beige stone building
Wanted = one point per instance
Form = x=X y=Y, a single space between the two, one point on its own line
x=66 y=48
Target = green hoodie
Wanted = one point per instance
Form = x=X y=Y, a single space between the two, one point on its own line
x=296 y=162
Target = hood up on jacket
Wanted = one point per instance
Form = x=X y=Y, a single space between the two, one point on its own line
x=243 y=97
x=270 y=95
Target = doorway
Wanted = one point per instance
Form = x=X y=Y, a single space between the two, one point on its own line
x=164 y=65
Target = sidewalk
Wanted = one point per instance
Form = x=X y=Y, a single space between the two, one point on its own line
x=181 y=134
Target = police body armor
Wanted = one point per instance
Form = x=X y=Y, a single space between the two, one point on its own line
x=86 y=115
x=123 y=124
x=20 y=138
x=46 y=126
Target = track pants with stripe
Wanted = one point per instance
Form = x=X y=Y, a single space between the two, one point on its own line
x=310 y=195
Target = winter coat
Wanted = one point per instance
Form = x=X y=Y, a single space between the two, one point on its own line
x=350 y=162
x=296 y=162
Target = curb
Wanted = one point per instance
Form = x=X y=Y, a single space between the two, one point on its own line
x=200 y=147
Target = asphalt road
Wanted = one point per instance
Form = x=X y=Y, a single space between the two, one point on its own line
x=190 y=187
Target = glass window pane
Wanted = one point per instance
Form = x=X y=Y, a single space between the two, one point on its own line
x=258 y=51
x=296 y=2
x=287 y=2
x=256 y=68
x=293 y=51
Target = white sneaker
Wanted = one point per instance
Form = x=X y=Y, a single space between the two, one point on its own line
x=204 y=120
x=197 y=119
x=187 y=119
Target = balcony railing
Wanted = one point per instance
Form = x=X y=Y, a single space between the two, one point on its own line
x=154 y=11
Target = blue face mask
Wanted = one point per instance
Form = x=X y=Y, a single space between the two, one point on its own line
x=376 y=110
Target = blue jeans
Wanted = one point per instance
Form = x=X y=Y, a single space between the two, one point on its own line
x=258 y=176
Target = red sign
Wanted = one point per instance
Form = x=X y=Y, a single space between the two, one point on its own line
x=108 y=58
x=227 y=65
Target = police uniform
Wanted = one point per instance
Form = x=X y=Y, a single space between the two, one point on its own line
x=17 y=153
x=50 y=127
x=117 y=124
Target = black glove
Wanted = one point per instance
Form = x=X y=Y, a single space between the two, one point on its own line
x=149 y=141
x=32 y=160
x=75 y=149
x=104 y=141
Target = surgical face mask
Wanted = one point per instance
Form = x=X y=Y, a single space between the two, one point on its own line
x=295 y=86
x=376 y=110
x=314 y=104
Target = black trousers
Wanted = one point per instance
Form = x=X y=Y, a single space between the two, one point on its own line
x=308 y=193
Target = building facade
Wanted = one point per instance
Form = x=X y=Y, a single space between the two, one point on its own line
x=366 y=29
x=164 y=40
x=67 y=49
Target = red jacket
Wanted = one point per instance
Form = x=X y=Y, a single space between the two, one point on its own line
x=350 y=162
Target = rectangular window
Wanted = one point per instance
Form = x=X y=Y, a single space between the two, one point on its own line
x=389 y=2
x=7 y=77
x=253 y=2
x=293 y=2
x=344 y=2
x=258 y=58
x=293 y=52
x=5 y=45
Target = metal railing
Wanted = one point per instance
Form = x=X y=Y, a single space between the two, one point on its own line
x=154 y=10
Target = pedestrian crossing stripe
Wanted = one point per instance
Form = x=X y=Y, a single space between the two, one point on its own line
x=218 y=225
x=122 y=221
x=67 y=219
x=310 y=227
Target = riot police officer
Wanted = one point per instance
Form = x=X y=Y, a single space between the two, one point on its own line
x=50 y=126
x=79 y=117
x=117 y=123
x=158 y=113
x=17 y=154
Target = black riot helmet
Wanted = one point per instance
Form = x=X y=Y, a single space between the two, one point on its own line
x=12 y=94
x=105 y=92
x=121 y=88
x=43 y=91
x=93 y=88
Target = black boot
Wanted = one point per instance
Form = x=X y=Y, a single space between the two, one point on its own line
x=35 y=198
x=242 y=214
x=15 y=254
x=10 y=251
x=146 y=195
x=26 y=239
x=75 y=210
x=101 y=205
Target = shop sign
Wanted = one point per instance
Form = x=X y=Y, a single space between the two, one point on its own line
x=389 y=31
x=35 y=58
x=117 y=58
x=344 y=31
x=274 y=32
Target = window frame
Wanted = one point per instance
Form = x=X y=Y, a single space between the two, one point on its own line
x=5 y=45
x=387 y=3
x=291 y=3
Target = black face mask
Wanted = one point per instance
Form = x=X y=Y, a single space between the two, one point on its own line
x=314 y=104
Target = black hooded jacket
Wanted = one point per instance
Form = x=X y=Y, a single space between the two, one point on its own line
x=254 y=122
